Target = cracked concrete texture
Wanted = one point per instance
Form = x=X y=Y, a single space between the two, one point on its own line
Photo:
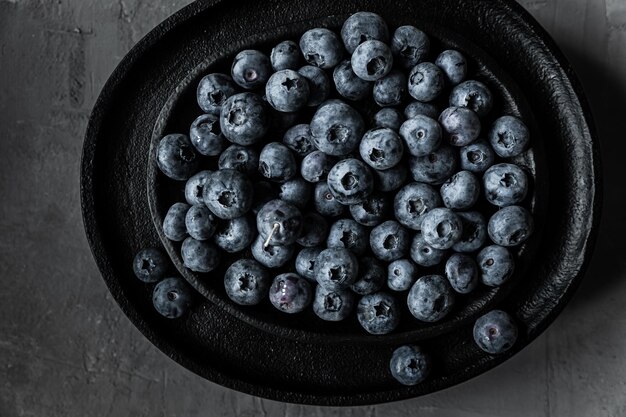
x=67 y=350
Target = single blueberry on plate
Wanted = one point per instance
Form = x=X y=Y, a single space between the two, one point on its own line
x=305 y=262
x=290 y=293
x=509 y=136
x=390 y=179
x=242 y=158
x=461 y=191
x=325 y=202
x=348 y=234
x=228 y=194
x=453 y=64
x=410 y=365
x=279 y=223
x=298 y=139
x=246 y=282
x=413 y=201
x=372 y=60
x=388 y=117
x=235 y=235
x=474 y=95
x=316 y=166
x=172 y=297
x=206 y=135
x=337 y=128
x=496 y=265
x=321 y=48
x=505 y=184
x=319 y=84
x=200 y=222
x=410 y=46
x=174 y=227
x=285 y=55
x=287 y=91
x=372 y=277
x=418 y=107
x=361 y=27
x=348 y=84
x=150 y=265
x=431 y=298
x=421 y=134
x=244 y=118
x=389 y=241
x=401 y=274
x=436 y=167
x=194 y=187
x=474 y=232
x=390 y=90
x=378 y=313
x=381 y=148
x=462 y=273
x=199 y=255
x=371 y=211
x=271 y=256
x=350 y=181
x=510 y=226
x=213 y=90
x=477 y=156
x=495 y=332
x=314 y=230
x=176 y=157
x=332 y=305
x=461 y=126
x=336 y=268
x=441 y=228
x=426 y=82
x=251 y=69
x=277 y=163
x=423 y=254
x=296 y=191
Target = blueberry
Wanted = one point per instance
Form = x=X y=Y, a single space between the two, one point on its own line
x=213 y=90
x=436 y=167
x=314 y=230
x=348 y=234
x=361 y=27
x=460 y=191
x=412 y=203
x=279 y=223
x=390 y=89
x=421 y=134
x=372 y=60
x=285 y=55
x=462 y=273
x=401 y=274
x=336 y=268
x=474 y=232
x=325 y=202
x=319 y=84
x=371 y=211
x=410 y=365
x=389 y=241
x=199 y=256
x=441 y=228
x=453 y=64
x=150 y=265
x=423 y=254
x=305 y=262
x=200 y=222
x=391 y=179
x=316 y=166
x=474 y=95
x=235 y=235
x=332 y=305
x=381 y=148
x=290 y=293
x=244 y=118
x=410 y=46
x=509 y=136
x=321 y=48
x=287 y=91
x=378 y=313
x=251 y=69
x=495 y=332
x=418 y=107
x=242 y=158
x=350 y=181
x=194 y=188
x=176 y=157
x=496 y=265
x=246 y=282
x=461 y=126
x=510 y=226
x=174 y=222
x=372 y=277
x=206 y=135
x=172 y=297
x=431 y=298
x=228 y=194
x=425 y=82
x=277 y=163
x=298 y=139
x=337 y=128
x=348 y=84
x=505 y=184
x=477 y=156
x=271 y=256
x=296 y=191
x=388 y=117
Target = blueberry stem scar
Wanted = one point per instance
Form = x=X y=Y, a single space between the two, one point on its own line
x=269 y=237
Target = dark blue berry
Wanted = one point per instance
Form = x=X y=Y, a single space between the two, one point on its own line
x=509 y=136
x=372 y=60
x=401 y=274
x=244 y=118
x=305 y=262
x=246 y=282
x=388 y=117
x=361 y=27
x=453 y=64
x=332 y=305
x=200 y=222
x=251 y=69
x=176 y=157
x=371 y=278
x=371 y=211
x=390 y=179
x=495 y=332
x=389 y=241
x=425 y=82
x=348 y=84
x=350 y=181
x=423 y=254
x=174 y=222
x=436 y=167
x=474 y=95
x=298 y=139
x=413 y=201
x=378 y=313
x=417 y=107
x=410 y=365
x=337 y=128
x=348 y=234
x=441 y=228
x=381 y=148
x=336 y=268
x=461 y=126
x=421 y=134
x=314 y=230
x=319 y=84
x=410 y=46
x=460 y=191
x=325 y=202
x=271 y=256
x=228 y=194
x=296 y=191
x=290 y=293
x=242 y=158
x=287 y=91
x=206 y=135
x=199 y=256
x=505 y=184
x=194 y=188
x=510 y=226
x=474 y=232
x=462 y=273
x=279 y=223
x=390 y=90
x=321 y=48
x=285 y=55
x=235 y=235
x=316 y=166
x=496 y=265
x=477 y=156
x=150 y=265
x=277 y=163
x=431 y=298
x=213 y=90
x=172 y=297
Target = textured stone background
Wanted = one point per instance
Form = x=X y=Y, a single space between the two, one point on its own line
x=67 y=350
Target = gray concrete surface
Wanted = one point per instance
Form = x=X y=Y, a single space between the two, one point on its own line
x=67 y=350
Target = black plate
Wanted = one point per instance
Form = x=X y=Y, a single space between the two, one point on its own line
x=299 y=358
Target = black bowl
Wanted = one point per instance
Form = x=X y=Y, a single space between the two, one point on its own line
x=300 y=358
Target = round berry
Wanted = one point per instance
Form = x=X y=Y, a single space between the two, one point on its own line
x=200 y=222
x=431 y=298
x=378 y=313
x=242 y=158
x=213 y=90
x=206 y=135
x=436 y=167
x=421 y=134
x=336 y=268
x=244 y=118
x=285 y=55
x=319 y=84
x=453 y=64
x=176 y=157
x=474 y=95
x=361 y=27
x=495 y=332
x=425 y=81
x=277 y=163
x=413 y=201
x=321 y=48
x=509 y=136
x=287 y=91
x=505 y=184
x=337 y=128
x=172 y=297
x=460 y=191
x=194 y=187
x=410 y=365
x=496 y=265
x=423 y=254
x=305 y=262
x=401 y=275
x=235 y=235
x=510 y=226
x=477 y=156
x=348 y=84
x=381 y=148
x=389 y=241
x=350 y=181
x=298 y=139
x=332 y=305
x=199 y=256
x=371 y=278
x=174 y=227
x=251 y=69
x=462 y=273
x=371 y=60
x=461 y=126
x=441 y=228
x=410 y=46
x=246 y=282
x=150 y=265
x=348 y=234
x=228 y=194
x=290 y=293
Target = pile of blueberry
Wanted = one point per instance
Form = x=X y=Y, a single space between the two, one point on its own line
x=347 y=211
